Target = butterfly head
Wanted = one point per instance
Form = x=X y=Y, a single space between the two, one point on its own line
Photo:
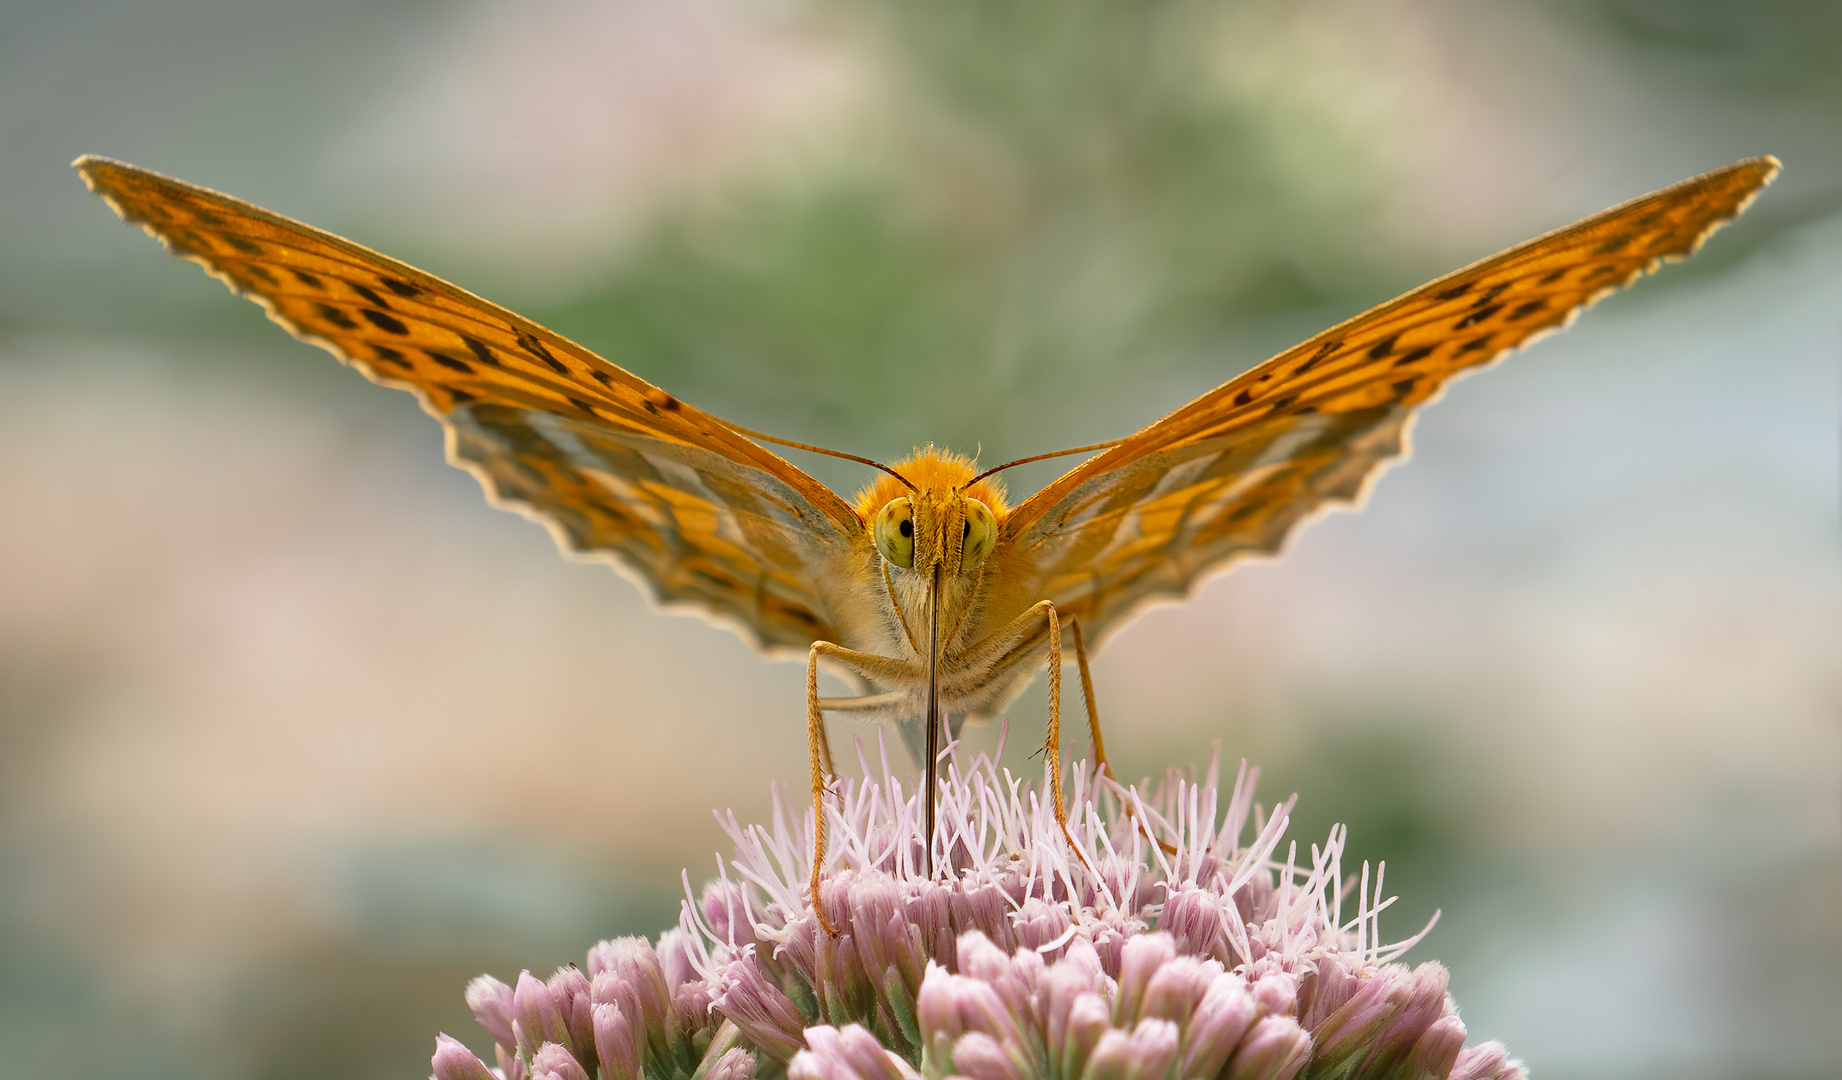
x=942 y=521
x=934 y=528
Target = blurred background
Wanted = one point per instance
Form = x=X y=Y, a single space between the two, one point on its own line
x=297 y=735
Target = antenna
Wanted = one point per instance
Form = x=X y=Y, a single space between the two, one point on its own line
x=833 y=453
x=1043 y=457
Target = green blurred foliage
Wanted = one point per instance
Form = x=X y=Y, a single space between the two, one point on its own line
x=1065 y=192
x=1789 y=50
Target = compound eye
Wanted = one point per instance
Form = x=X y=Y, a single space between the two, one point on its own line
x=981 y=534
x=895 y=532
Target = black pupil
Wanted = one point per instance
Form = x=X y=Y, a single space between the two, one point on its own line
x=907 y=528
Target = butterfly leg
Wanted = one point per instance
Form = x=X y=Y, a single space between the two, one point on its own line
x=870 y=664
x=1012 y=639
x=1052 y=746
x=1101 y=768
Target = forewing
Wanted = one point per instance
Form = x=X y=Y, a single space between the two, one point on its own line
x=1233 y=471
x=611 y=463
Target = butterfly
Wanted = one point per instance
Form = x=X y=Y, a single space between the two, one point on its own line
x=928 y=590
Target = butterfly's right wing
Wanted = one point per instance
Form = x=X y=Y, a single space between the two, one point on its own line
x=1232 y=473
x=702 y=516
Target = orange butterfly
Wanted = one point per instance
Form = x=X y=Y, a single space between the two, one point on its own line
x=930 y=590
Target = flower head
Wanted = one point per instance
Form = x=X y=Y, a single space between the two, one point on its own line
x=1161 y=947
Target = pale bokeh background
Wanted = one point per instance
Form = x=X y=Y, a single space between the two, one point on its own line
x=296 y=735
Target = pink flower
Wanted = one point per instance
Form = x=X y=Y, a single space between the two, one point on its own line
x=1195 y=956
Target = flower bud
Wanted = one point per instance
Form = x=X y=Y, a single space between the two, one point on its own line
x=1435 y=1052
x=848 y=1054
x=1193 y=919
x=675 y=960
x=452 y=1061
x=616 y=1047
x=867 y=1058
x=632 y=961
x=1221 y=1019
x=1426 y=1003
x=569 y=989
x=978 y=1056
x=762 y=1012
x=537 y=1017
x=1176 y=988
x=491 y=1002
x=735 y=1064
x=1141 y=957
x=1275 y=1049
x=1276 y=994
x=1488 y=1061
x=1089 y=1021
x=554 y=1062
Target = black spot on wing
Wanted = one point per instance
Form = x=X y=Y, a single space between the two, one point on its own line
x=1490 y=294
x=1523 y=311
x=305 y=278
x=1613 y=246
x=1383 y=347
x=369 y=295
x=1244 y=397
x=479 y=350
x=248 y=247
x=206 y=217
x=1473 y=345
x=1477 y=316
x=1324 y=351
x=1418 y=354
x=336 y=316
x=401 y=288
x=583 y=405
x=1456 y=291
x=461 y=397
x=600 y=376
x=1553 y=276
x=389 y=355
x=536 y=349
x=261 y=272
x=188 y=241
x=387 y=323
x=450 y=362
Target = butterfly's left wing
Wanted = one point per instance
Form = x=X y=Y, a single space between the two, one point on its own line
x=700 y=515
x=1232 y=472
